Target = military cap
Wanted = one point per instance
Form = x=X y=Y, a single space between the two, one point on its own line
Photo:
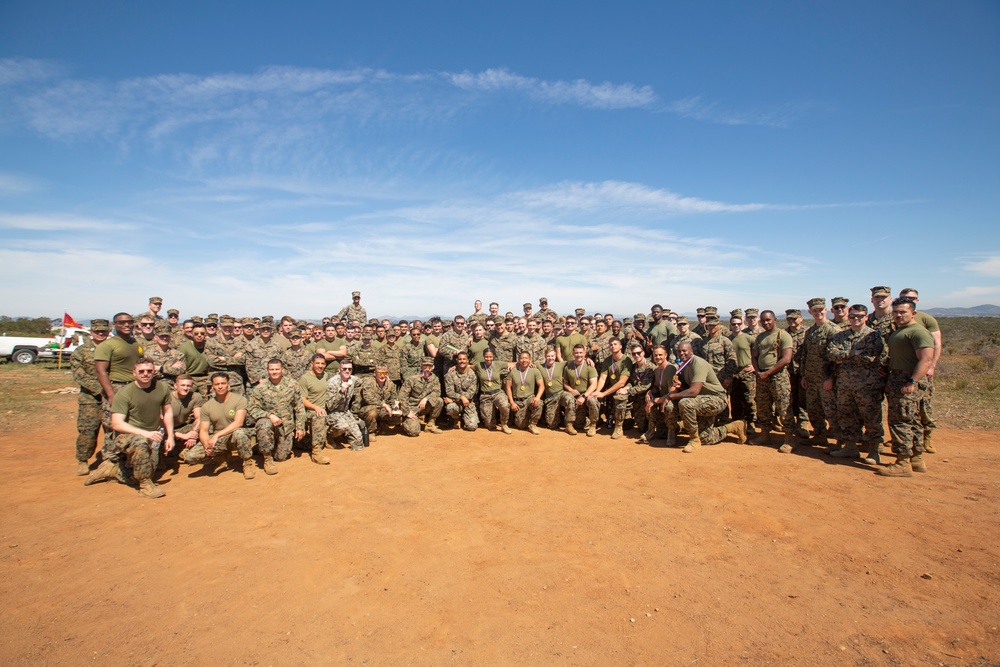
x=544 y=300
x=226 y=321
x=839 y=301
x=427 y=361
x=212 y=320
x=295 y=334
x=267 y=321
x=626 y=320
x=446 y=323
x=792 y=312
x=711 y=310
x=247 y=322
x=162 y=329
x=711 y=319
x=701 y=311
x=301 y=323
x=736 y=312
x=156 y=299
x=354 y=294
x=198 y=319
x=881 y=290
x=139 y=316
x=367 y=334
x=580 y=312
x=753 y=312
x=212 y=316
x=639 y=317
x=373 y=321
x=682 y=320
x=100 y=325
x=173 y=312
x=527 y=305
x=818 y=302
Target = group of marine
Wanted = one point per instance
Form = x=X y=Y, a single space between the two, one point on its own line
x=196 y=390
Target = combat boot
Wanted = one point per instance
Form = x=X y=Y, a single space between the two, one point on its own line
x=874 y=457
x=149 y=490
x=270 y=467
x=107 y=470
x=739 y=429
x=570 y=429
x=505 y=429
x=901 y=468
x=787 y=445
x=249 y=468
x=82 y=468
x=917 y=463
x=617 y=432
x=928 y=447
x=533 y=429
x=850 y=451
x=672 y=437
x=647 y=437
x=693 y=445
x=317 y=456
x=432 y=428
x=591 y=429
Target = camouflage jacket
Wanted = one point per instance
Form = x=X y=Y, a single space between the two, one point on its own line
x=689 y=337
x=81 y=363
x=504 y=347
x=883 y=324
x=373 y=394
x=451 y=344
x=458 y=384
x=257 y=354
x=533 y=345
x=353 y=313
x=296 y=361
x=341 y=401
x=720 y=353
x=363 y=358
x=389 y=355
x=798 y=336
x=415 y=389
x=410 y=357
x=815 y=363
x=640 y=380
x=602 y=352
x=282 y=399
x=224 y=353
x=858 y=354
x=166 y=361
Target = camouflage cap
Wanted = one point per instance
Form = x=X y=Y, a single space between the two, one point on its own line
x=355 y=295
x=580 y=312
x=753 y=312
x=682 y=320
x=626 y=320
x=839 y=301
x=198 y=319
x=267 y=321
x=639 y=317
x=543 y=301
x=162 y=329
x=295 y=334
x=173 y=312
x=427 y=361
x=818 y=302
x=212 y=316
x=301 y=323
x=226 y=321
x=711 y=319
x=881 y=290
x=156 y=299
x=527 y=306
x=247 y=322
x=701 y=311
x=100 y=325
x=711 y=310
x=210 y=321
x=736 y=312
x=792 y=312
x=446 y=323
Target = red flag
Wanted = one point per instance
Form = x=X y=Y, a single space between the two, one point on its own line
x=70 y=322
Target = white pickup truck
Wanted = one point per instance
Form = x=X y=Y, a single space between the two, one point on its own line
x=25 y=349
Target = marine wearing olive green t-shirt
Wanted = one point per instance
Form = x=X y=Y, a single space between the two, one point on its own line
x=764 y=347
x=121 y=357
x=699 y=370
x=524 y=384
x=903 y=346
x=312 y=388
x=220 y=415
x=142 y=407
x=552 y=377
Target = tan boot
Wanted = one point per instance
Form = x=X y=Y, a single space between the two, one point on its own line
x=149 y=490
x=533 y=429
x=82 y=468
x=850 y=451
x=107 y=470
x=901 y=468
x=591 y=430
x=432 y=428
x=787 y=445
x=249 y=468
x=647 y=437
x=505 y=429
x=672 y=438
x=917 y=463
x=270 y=467
x=570 y=429
x=694 y=444
x=928 y=447
x=739 y=429
x=617 y=432
x=317 y=456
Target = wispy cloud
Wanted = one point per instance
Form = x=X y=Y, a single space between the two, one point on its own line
x=60 y=222
x=696 y=108
x=579 y=92
x=12 y=184
x=988 y=265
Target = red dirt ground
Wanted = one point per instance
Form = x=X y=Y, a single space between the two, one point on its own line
x=498 y=550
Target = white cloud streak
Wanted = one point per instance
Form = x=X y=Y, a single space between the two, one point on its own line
x=988 y=266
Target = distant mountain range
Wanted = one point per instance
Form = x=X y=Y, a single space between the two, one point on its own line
x=985 y=310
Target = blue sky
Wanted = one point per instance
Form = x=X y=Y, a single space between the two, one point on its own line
x=251 y=159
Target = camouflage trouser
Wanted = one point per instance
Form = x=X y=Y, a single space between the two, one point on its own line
x=551 y=410
x=744 y=397
x=344 y=424
x=526 y=413
x=656 y=418
x=616 y=408
x=569 y=406
x=489 y=406
x=698 y=415
x=88 y=423
x=467 y=414
x=235 y=380
x=821 y=406
x=859 y=403
x=138 y=451
x=242 y=439
x=774 y=395
x=431 y=410
x=276 y=440
x=373 y=415
x=904 y=414
x=109 y=448
x=637 y=406
x=798 y=398
x=926 y=412
x=203 y=385
x=316 y=426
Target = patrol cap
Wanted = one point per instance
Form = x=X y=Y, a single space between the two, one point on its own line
x=753 y=312
x=212 y=316
x=100 y=325
x=367 y=334
x=446 y=323
x=210 y=321
x=267 y=322
x=580 y=312
x=626 y=320
x=198 y=319
x=355 y=295
x=161 y=329
x=792 y=312
x=711 y=310
x=527 y=306
x=711 y=319
x=544 y=301
x=226 y=321
x=173 y=312
x=682 y=320
x=839 y=301
x=639 y=317
x=427 y=361
x=881 y=290
x=156 y=299
x=701 y=311
x=301 y=324
x=373 y=321
x=818 y=302
x=736 y=312
x=247 y=322
x=295 y=334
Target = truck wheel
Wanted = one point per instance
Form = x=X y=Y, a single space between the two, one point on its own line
x=23 y=356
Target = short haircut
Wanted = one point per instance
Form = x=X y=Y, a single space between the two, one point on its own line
x=144 y=360
x=903 y=301
x=185 y=376
x=218 y=374
x=317 y=356
x=579 y=346
x=275 y=360
x=860 y=306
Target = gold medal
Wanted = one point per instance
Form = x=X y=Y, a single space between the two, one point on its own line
x=613 y=376
x=521 y=387
x=577 y=383
x=550 y=384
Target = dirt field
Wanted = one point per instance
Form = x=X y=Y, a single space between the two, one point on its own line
x=493 y=549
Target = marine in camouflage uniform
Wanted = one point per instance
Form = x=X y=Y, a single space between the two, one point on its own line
x=858 y=355
x=492 y=399
x=169 y=362
x=226 y=354
x=612 y=387
x=524 y=387
x=771 y=354
x=411 y=354
x=452 y=342
x=88 y=413
x=362 y=355
x=461 y=383
x=504 y=344
x=379 y=402
x=719 y=352
x=599 y=350
x=342 y=397
x=389 y=355
x=817 y=374
x=638 y=385
x=419 y=397
x=354 y=312
x=793 y=319
x=279 y=399
x=697 y=402
x=552 y=377
x=223 y=419
x=533 y=344
x=296 y=360
x=259 y=351
x=685 y=335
